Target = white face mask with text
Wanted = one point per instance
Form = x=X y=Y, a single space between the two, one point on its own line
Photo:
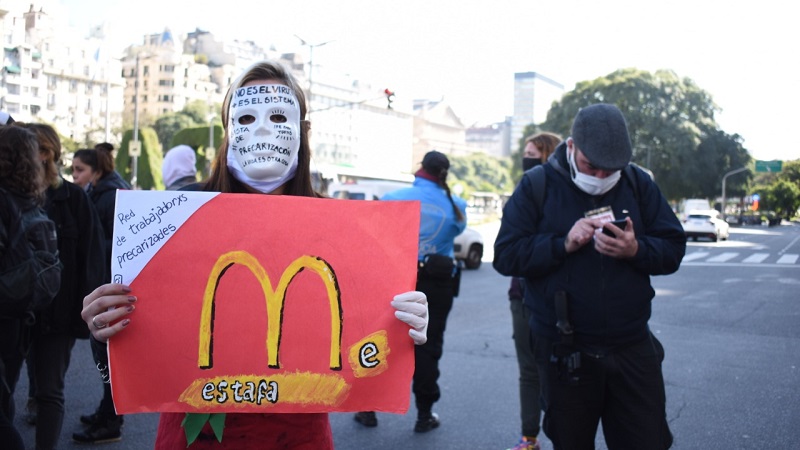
x=264 y=135
x=589 y=184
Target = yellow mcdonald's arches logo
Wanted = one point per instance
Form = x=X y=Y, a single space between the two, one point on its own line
x=275 y=300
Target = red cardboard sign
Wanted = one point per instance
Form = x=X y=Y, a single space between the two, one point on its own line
x=260 y=303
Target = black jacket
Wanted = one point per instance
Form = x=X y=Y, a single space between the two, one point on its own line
x=104 y=196
x=81 y=250
x=609 y=299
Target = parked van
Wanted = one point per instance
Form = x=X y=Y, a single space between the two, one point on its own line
x=694 y=204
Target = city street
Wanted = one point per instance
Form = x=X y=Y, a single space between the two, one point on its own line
x=729 y=321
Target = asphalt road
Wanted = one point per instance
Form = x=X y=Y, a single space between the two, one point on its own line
x=730 y=326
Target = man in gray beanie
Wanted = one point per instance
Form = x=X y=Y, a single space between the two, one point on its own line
x=586 y=247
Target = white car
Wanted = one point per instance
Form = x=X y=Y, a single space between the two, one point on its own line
x=706 y=223
x=468 y=247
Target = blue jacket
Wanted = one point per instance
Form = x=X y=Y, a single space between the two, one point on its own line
x=609 y=299
x=438 y=225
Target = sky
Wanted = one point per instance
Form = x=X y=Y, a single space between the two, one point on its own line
x=744 y=54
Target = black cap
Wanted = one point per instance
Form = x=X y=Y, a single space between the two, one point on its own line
x=435 y=162
x=600 y=133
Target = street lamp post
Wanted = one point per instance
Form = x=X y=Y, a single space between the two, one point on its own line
x=135 y=157
x=724 y=178
x=310 y=69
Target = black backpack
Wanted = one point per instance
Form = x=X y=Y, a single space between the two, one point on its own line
x=30 y=271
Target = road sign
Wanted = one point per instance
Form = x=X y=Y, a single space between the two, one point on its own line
x=769 y=166
x=134 y=148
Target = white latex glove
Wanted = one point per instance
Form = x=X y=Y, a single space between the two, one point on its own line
x=412 y=308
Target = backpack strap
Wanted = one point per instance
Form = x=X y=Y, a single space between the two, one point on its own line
x=537 y=178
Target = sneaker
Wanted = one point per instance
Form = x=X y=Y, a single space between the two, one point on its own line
x=426 y=423
x=90 y=419
x=367 y=418
x=30 y=411
x=100 y=432
x=526 y=443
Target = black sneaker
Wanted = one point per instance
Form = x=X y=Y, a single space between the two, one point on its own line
x=367 y=418
x=426 y=423
x=90 y=419
x=100 y=432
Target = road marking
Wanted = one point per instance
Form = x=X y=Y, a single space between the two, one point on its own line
x=756 y=258
x=728 y=264
x=722 y=257
x=695 y=255
x=788 y=258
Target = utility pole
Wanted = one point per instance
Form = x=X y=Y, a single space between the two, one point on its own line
x=725 y=177
x=310 y=69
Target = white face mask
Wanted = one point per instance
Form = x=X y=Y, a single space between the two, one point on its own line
x=264 y=135
x=589 y=184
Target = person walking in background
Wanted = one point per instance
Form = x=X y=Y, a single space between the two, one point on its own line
x=443 y=217
x=538 y=148
x=587 y=282
x=179 y=167
x=95 y=169
x=21 y=176
x=254 y=174
x=80 y=247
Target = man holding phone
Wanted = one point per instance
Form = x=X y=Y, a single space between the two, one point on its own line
x=586 y=252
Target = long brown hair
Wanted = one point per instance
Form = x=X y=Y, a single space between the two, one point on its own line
x=220 y=179
x=20 y=165
x=50 y=147
x=545 y=142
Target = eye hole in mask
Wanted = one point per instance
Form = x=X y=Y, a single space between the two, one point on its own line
x=277 y=118
x=246 y=119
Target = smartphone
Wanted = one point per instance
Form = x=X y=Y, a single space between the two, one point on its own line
x=617 y=223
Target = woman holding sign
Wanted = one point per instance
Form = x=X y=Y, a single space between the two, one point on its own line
x=265 y=150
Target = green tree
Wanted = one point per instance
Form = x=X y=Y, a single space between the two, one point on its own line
x=148 y=172
x=479 y=172
x=169 y=124
x=672 y=127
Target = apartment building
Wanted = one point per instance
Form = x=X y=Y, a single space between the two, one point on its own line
x=50 y=74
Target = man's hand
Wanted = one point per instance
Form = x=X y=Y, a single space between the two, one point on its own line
x=623 y=245
x=580 y=234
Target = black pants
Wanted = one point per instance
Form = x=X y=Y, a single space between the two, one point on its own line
x=13 y=346
x=48 y=361
x=624 y=389
x=426 y=357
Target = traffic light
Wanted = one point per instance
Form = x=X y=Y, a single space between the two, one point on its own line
x=389 y=97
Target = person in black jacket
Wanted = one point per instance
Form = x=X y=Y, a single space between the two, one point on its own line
x=95 y=169
x=590 y=293
x=80 y=247
x=21 y=175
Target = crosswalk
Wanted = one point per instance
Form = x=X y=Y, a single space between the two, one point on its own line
x=701 y=257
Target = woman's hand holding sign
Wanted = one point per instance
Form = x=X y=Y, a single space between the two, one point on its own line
x=105 y=310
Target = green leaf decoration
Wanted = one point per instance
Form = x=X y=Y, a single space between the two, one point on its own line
x=193 y=424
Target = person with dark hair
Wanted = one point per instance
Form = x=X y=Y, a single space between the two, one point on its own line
x=256 y=172
x=80 y=247
x=21 y=176
x=538 y=148
x=587 y=284
x=94 y=170
x=442 y=218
